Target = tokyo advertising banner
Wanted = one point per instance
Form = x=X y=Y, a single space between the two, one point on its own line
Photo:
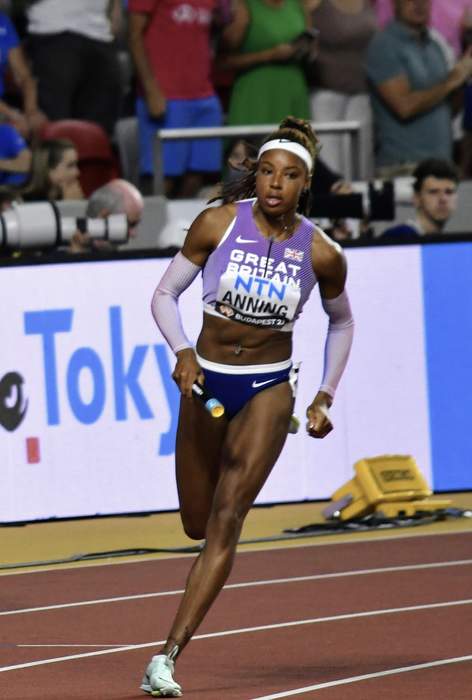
x=88 y=409
x=98 y=406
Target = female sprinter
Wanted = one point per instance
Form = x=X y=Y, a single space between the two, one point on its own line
x=259 y=260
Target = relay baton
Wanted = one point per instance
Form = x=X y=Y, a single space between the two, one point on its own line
x=212 y=405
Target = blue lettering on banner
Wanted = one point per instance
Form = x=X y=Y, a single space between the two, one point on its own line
x=125 y=373
x=167 y=442
x=448 y=334
x=47 y=324
x=81 y=359
x=126 y=380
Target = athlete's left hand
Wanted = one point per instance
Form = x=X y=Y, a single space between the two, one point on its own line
x=319 y=422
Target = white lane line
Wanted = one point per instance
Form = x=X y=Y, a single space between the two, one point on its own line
x=247 y=584
x=99 y=601
x=365 y=677
x=245 y=630
x=49 y=646
x=352 y=539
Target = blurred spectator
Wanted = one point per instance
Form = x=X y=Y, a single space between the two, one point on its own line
x=434 y=198
x=221 y=77
x=170 y=47
x=238 y=152
x=54 y=172
x=8 y=195
x=74 y=59
x=12 y=59
x=116 y=197
x=261 y=45
x=411 y=83
x=96 y=159
x=446 y=16
x=337 y=77
x=15 y=156
x=465 y=154
x=325 y=180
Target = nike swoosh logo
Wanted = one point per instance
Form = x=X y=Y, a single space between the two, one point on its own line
x=239 y=239
x=256 y=384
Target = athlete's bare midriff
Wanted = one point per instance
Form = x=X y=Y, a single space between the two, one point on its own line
x=234 y=343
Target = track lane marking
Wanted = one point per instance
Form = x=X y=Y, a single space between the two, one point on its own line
x=244 y=630
x=247 y=584
x=365 y=677
x=247 y=550
x=49 y=646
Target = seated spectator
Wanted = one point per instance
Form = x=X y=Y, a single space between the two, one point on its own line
x=8 y=196
x=434 y=198
x=411 y=83
x=116 y=197
x=15 y=156
x=30 y=119
x=337 y=78
x=74 y=59
x=54 y=172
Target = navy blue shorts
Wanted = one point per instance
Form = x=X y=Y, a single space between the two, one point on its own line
x=182 y=155
x=235 y=385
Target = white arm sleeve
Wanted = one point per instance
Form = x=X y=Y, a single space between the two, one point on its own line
x=338 y=341
x=164 y=305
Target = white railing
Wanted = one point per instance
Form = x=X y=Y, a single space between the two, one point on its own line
x=351 y=129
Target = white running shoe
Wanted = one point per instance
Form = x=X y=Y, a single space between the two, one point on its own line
x=158 y=681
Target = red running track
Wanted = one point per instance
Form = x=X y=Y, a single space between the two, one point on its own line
x=364 y=619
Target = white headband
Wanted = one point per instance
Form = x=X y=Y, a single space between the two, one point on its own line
x=286 y=145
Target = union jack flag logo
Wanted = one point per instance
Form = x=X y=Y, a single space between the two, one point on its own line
x=293 y=254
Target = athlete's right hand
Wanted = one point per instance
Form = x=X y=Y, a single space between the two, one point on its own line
x=187 y=371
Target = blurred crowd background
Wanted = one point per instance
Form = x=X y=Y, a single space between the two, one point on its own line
x=85 y=86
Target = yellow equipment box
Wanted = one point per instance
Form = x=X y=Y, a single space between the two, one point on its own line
x=411 y=508
x=378 y=480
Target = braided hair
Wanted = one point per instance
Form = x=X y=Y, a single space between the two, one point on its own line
x=292 y=129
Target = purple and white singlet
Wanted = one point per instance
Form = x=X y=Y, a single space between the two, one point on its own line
x=257 y=281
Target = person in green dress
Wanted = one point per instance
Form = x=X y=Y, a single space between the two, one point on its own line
x=260 y=45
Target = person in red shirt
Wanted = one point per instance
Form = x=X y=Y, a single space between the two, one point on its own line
x=169 y=42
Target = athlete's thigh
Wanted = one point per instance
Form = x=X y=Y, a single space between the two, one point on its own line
x=254 y=440
x=197 y=458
